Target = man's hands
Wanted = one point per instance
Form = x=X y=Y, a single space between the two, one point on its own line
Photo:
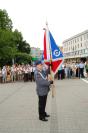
x=50 y=79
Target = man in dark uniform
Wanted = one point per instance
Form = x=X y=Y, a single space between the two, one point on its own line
x=42 y=88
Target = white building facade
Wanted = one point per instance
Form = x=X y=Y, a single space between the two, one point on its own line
x=76 y=47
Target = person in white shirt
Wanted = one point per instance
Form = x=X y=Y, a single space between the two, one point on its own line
x=13 y=73
x=4 y=74
x=77 y=69
x=81 y=69
x=26 y=70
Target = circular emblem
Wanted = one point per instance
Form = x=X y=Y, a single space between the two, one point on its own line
x=56 y=53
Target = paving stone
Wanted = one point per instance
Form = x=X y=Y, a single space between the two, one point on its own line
x=68 y=109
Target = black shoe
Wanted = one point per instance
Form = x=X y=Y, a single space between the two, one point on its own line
x=43 y=119
x=46 y=115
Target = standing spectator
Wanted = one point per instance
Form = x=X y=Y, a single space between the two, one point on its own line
x=32 y=73
x=8 y=74
x=77 y=69
x=60 y=73
x=16 y=72
x=33 y=69
x=4 y=74
x=68 y=69
x=13 y=73
x=81 y=69
x=0 y=75
x=19 y=72
x=26 y=70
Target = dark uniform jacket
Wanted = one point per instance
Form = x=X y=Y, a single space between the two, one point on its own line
x=42 y=84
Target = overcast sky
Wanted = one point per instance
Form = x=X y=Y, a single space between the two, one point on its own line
x=66 y=18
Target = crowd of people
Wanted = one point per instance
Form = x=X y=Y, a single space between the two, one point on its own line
x=72 y=70
x=17 y=73
x=26 y=72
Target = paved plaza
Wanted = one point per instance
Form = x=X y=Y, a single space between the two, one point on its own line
x=68 y=109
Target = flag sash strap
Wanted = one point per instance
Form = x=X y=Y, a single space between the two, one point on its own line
x=45 y=78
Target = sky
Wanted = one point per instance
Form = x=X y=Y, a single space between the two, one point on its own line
x=65 y=18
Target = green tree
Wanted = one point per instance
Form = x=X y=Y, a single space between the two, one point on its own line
x=7 y=45
x=21 y=45
x=12 y=45
x=23 y=58
x=24 y=47
x=5 y=21
x=18 y=38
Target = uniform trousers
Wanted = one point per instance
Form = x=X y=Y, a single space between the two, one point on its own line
x=42 y=105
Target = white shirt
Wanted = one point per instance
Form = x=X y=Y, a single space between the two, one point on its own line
x=81 y=65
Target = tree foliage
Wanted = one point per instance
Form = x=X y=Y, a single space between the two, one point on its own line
x=12 y=44
x=5 y=21
x=7 y=45
x=23 y=58
x=21 y=44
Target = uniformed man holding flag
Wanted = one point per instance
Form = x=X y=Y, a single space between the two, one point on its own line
x=43 y=83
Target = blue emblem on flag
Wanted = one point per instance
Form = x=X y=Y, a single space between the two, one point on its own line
x=56 y=52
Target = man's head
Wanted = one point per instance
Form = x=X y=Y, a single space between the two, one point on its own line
x=39 y=65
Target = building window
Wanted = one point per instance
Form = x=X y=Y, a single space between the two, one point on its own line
x=85 y=37
x=84 y=51
x=78 y=45
x=75 y=40
x=81 y=38
x=81 y=44
x=78 y=39
x=75 y=47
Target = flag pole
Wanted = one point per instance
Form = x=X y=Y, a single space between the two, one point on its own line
x=52 y=86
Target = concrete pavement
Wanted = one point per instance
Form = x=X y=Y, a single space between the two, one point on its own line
x=68 y=109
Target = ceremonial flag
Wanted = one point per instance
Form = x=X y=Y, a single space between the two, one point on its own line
x=52 y=53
